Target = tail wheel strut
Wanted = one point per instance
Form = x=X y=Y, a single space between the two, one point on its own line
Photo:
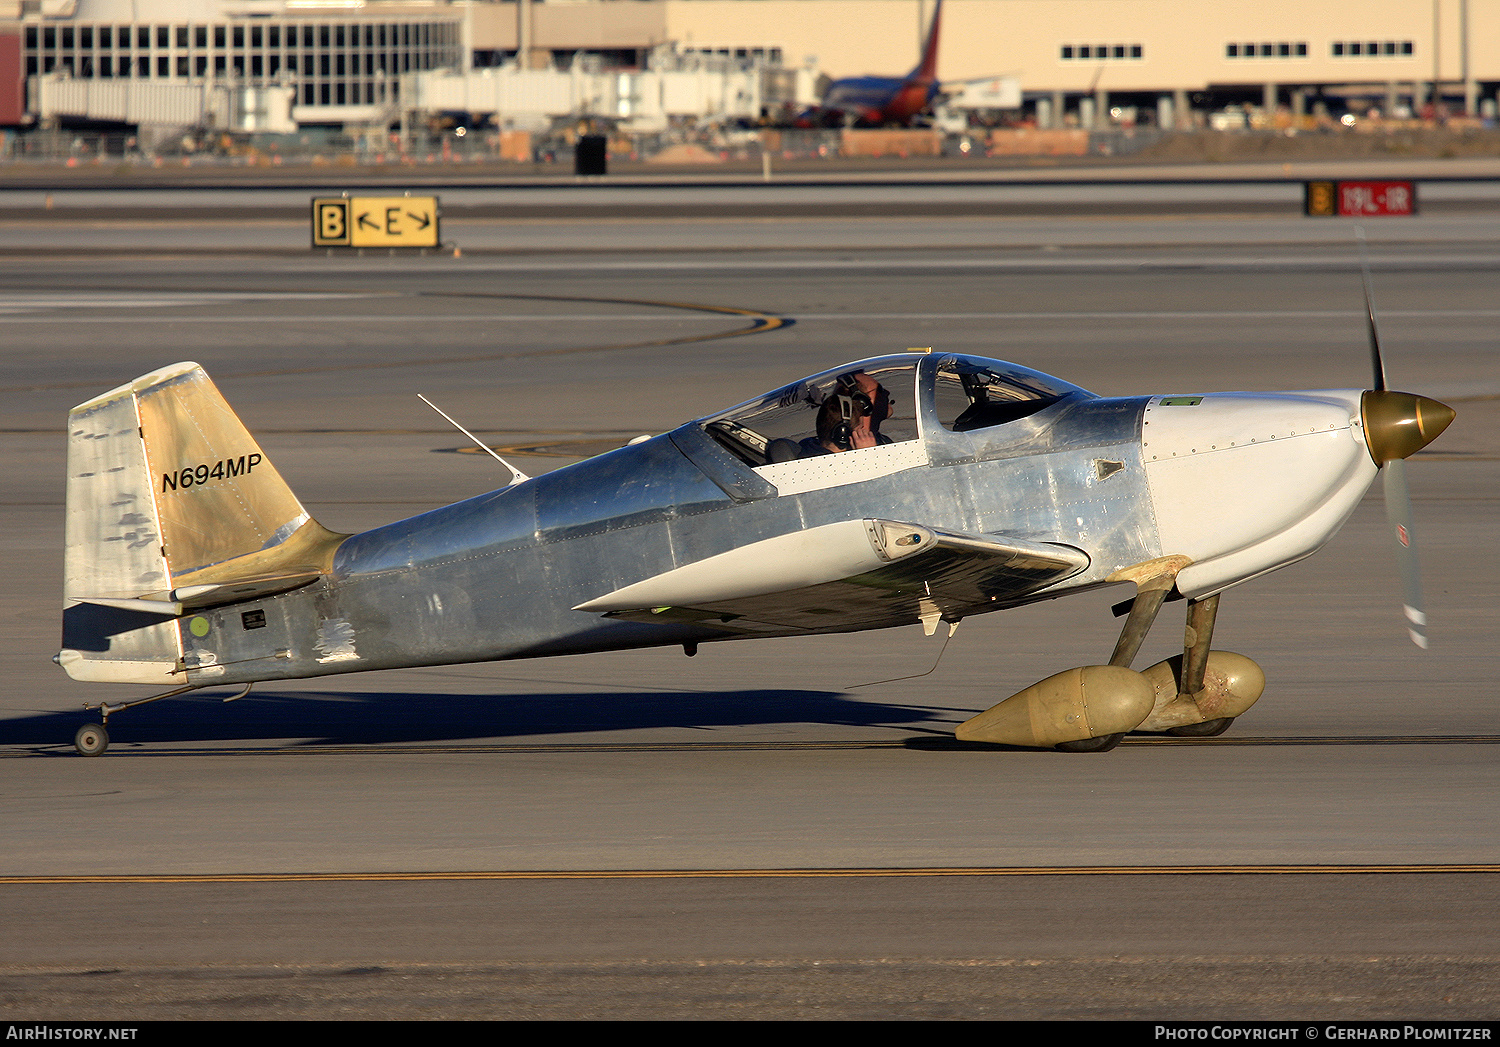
x=93 y=738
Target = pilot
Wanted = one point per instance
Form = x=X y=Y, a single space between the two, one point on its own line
x=850 y=417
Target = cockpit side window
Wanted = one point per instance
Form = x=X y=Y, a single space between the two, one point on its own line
x=866 y=406
x=974 y=394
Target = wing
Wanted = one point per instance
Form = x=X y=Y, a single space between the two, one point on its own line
x=856 y=574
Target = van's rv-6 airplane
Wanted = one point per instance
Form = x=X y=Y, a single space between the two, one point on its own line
x=916 y=488
x=879 y=101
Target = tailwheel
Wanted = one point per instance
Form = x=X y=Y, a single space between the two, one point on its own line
x=1102 y=744
x=1206 y=729
x=91 y=740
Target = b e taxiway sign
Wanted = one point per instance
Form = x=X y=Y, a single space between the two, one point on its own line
x=375 y=221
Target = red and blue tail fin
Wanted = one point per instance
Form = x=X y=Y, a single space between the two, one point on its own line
x=926 y=70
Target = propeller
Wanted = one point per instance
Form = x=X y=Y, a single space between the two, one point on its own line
x=1397 y=426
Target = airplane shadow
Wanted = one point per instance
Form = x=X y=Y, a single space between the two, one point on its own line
x=368 y=717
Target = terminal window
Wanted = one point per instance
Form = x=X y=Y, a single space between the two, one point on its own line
x=348 y=62
x=1081 y=52
x=1373 y=49
x=1282 y=49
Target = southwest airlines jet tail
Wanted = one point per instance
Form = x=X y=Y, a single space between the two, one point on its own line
x=881 y=100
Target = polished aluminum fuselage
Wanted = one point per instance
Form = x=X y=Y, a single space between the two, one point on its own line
x=498 y=576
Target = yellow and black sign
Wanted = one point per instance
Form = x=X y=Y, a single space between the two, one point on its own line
x=1318 y=200
x=375 y=221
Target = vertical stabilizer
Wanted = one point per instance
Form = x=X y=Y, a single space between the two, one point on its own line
x=171 y=504
x=216 y=495
x=926 y=70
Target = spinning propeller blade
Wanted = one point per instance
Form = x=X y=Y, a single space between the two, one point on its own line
x=1398 y=517
x=1397 y=426
x=1364 y=271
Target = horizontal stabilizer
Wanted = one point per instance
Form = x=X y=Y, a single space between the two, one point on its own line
x=186 y=598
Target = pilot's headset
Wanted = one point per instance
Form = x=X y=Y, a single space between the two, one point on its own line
x=853 y=402
x=836 y=418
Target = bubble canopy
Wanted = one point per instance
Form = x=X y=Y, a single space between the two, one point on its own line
x=883 y=400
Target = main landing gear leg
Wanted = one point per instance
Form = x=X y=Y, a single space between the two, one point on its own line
x=1151 y=592
x=1201 y=691
x=1196 y=641
x=1143 y=611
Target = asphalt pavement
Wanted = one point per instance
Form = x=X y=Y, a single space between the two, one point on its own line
x=526 y=838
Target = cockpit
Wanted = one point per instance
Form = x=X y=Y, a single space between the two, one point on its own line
x=869 y=404
x=879 y=411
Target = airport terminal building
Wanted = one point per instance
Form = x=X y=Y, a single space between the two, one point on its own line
x=277 y=65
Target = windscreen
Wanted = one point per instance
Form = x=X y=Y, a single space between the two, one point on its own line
x=978 y=394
